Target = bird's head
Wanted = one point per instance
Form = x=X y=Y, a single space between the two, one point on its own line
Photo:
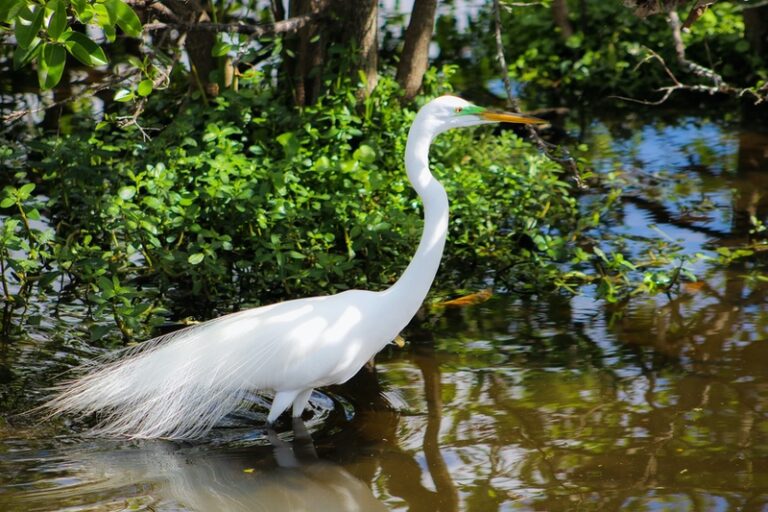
x=448 y=112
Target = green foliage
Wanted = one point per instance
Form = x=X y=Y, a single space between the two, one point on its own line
x=46 y=31
x=250 y=202
x=607 y=52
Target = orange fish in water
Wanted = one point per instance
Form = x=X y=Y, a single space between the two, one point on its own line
x=469 y=300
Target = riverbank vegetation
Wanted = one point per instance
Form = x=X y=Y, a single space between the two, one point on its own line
x=182 y=163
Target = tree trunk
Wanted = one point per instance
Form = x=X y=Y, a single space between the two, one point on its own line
x=361 y=24
x=560 y=16
x=756 y=29
x=278 y=10
x=305 y=53
x=354 y=25
x=198 y=43
x=415 y=56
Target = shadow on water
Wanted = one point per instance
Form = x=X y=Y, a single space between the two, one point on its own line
x=517 y=403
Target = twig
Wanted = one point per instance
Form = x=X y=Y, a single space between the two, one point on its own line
x=18 y=114
x=677 y=38
x=566 y=162
x=523 y=4
x=756 y=5
x=719 y=85
x=279 y=27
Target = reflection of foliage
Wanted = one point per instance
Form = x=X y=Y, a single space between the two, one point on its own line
x=548 y=416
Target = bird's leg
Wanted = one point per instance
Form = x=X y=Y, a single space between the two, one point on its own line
x=282 y=400
x=300 y=402
x=282 y=450
x=303 y=446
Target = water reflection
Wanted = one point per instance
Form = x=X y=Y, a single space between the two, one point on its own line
x=165 y=475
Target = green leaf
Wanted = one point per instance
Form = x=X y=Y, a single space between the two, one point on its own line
x=126 y=193
x=599 y=252
x=195 y=259
x=124 y=95
x=51 y=65
x=9 y=8
x=84 y=49
x=84 y=10
x=26 y=190
x=365 y=154
x=105 y=19
x=58 y=21
x=104 y=284
x=290 y=143
x=28 y=23
x=7 y=202
x=22 y=56
x=124 y=17
x=220 y=49
x=145 y=87
x=79 y=6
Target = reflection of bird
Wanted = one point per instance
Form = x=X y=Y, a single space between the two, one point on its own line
x=199 y=478
x=180 y=385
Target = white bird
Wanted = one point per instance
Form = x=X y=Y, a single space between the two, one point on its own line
x=181 y=384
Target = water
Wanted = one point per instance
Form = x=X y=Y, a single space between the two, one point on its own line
x=516 y=403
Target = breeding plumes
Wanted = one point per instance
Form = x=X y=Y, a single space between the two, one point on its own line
x=180 y=385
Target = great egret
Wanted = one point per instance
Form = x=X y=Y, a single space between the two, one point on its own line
x=181 y=384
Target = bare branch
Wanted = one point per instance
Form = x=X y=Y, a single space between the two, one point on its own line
x=718 y=83
x=522 y=4
x=566 y=162
x=279 y=27
x=90 y=91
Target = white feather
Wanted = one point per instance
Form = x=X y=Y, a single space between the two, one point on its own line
x=181 y=384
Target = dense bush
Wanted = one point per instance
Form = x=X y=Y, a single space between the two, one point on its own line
x=247 y=201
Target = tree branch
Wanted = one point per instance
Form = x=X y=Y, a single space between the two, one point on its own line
x=566 y=161
x=718 y=84
x=279 y=27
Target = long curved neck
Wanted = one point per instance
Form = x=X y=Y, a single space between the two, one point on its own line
x=412 y=287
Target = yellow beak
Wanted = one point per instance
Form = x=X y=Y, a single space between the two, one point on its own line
x=510 y=117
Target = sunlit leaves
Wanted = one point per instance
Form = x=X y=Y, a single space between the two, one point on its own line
x=9 y=9
x=196 y=259
x=124 y=95
x=124 y=17
x=51 y=65
x=23 y=56
x=28 y=22
x=220 y=48
x=44 y=35
x=58 y=20
x=84 y=49
x=247 y=201
x=145 y=87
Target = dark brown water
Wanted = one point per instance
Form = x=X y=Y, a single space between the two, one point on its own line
x=538 y=403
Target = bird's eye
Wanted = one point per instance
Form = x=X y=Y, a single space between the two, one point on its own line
x=458 y=110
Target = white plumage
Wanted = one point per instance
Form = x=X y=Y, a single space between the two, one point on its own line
x=180 y=385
